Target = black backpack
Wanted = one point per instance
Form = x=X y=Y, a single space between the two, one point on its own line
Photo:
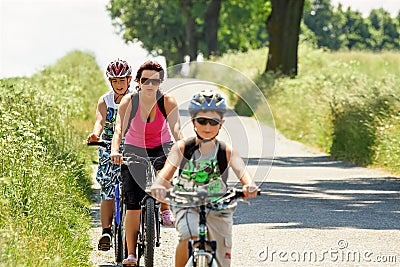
x=191 y=147
x=135 y=104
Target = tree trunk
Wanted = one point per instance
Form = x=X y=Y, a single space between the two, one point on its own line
x=190 y=27
x=283 y=26
x=211 y=18
x=176 y=57
x=192 y=38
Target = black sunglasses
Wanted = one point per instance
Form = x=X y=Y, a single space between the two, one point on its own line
x=204 y=121
x=147 y=81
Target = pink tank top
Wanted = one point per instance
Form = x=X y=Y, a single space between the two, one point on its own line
x=148 y=134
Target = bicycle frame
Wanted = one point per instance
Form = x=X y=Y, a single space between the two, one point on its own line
x=119 y=227
x=202 y=247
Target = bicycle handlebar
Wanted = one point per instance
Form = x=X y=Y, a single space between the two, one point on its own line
x=202 y=195
x=133 y=158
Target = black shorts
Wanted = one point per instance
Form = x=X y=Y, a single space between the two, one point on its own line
x=133 y=177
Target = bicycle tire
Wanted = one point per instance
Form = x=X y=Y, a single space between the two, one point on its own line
x=201 y=261
x=118 y=245
x=122 y=247
x=149 y=233
x=118 y=227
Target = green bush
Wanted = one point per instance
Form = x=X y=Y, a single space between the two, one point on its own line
x=45 y=188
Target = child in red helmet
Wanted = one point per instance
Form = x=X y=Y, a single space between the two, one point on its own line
x=119 y=75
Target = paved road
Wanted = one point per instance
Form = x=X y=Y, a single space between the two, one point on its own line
x=314 y=211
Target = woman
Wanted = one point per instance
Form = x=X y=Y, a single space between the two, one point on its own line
x=142 y=117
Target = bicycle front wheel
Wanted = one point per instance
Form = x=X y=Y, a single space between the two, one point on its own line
x=202 y=261
x=120 y=247
x=149 y=232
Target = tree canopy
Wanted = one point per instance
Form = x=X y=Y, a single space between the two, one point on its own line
x=176 y=28
x=335 y=28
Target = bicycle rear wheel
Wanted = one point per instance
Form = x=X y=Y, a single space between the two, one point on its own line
x=149 y=233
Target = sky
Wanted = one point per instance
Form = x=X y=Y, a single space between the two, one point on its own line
x=36 y=33
x=365 y=6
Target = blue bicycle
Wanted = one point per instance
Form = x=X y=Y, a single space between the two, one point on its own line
x=150 y=221
x=119 y=212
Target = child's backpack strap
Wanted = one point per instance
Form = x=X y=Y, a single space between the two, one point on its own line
x=135 y=105
x=190 y=147
x=222 y=160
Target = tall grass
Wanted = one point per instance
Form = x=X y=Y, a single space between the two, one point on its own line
x=45 y=183
x=344 y=103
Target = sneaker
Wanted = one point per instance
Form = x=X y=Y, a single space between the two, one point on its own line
x=104 y=242
x=130 y=261
x=167 y=218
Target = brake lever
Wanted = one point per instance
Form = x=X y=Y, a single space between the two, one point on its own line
x=244 y=201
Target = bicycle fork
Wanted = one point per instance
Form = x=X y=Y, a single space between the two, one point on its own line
x=198 y=248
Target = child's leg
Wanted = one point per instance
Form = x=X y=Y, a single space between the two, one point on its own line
x=187 y=220
x=219 y=225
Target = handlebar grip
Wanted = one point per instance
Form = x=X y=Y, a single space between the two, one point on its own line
x=239 y=192
x=102 y=144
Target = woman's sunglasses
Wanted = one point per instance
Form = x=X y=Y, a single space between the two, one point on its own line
x=204 y=121
x=147 y=81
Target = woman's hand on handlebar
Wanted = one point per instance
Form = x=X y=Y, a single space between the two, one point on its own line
x=116 y=157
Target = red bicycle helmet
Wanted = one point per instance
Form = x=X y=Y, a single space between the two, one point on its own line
x=118 y=69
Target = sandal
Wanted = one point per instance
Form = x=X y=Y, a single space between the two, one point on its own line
x=167 y=218
x=130 y=261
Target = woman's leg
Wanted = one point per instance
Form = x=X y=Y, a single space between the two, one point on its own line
x=132 y=225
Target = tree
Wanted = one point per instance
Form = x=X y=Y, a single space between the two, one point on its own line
x=176 y=28
x=283 y=26
x=357 y=30
x=386 y=31
x=242 y=25
x=158 y=25
x=326 y=24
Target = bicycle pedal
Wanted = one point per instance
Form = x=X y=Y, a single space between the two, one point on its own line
x=104 y=247
x=104 y=243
